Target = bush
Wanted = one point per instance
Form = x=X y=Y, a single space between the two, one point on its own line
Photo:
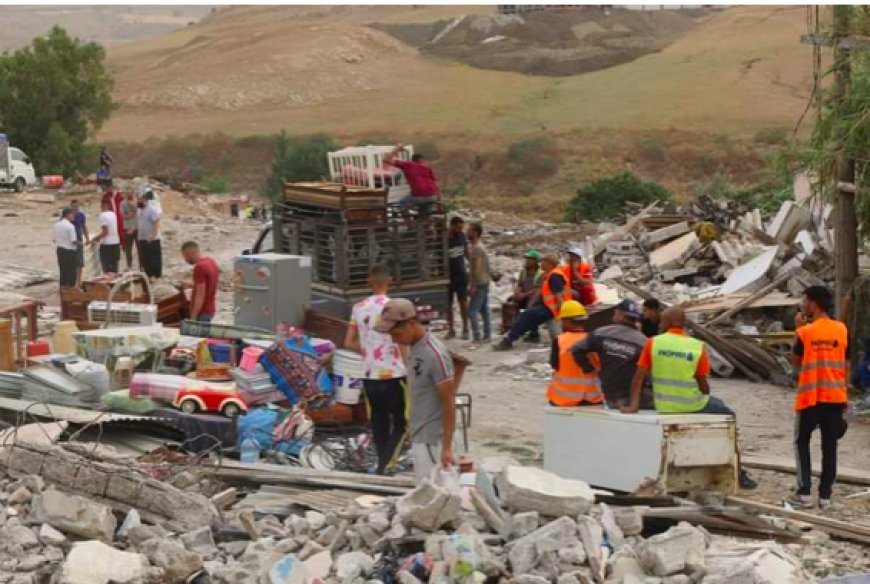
x=653 y=150
x=772 y=136
x=298 y=159
x=605 y=199
x=535 y=157
x=767 y=197
x=216 y=184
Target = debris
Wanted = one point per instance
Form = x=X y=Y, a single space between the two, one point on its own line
x=93 y=562
x=674 y=551
x=429 y=506
x=533 y=489
x=75 y=515
x=178 y=562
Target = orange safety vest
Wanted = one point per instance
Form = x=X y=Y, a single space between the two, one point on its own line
x=554 y=300
x=570 y=385
x=584 y=270
x=822 y=376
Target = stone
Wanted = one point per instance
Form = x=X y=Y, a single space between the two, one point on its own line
x=530 y=579
x=309 y=549
x=298 y=525
x=611 y=528
x=234 y=548
x=288 y=570
x=523 y=553
x=522 y=523
x=75 y=515
x=568 y=579
x=742 y=563
x=676 y=550
x=53 y=554
x=406 y=577
x=20 y=496
x=325 y=537
x=353 y=565
x=142 y=533
x=397 y=529
x=534 y=489
x=623 y=567
x=319 y=565
x=591 y=534
x=369 y=536
x=752 y=275
x=178 y=562
x=315 y=519
x=200 y=541
x=629 y=520
x=21 y=535
x=677 y=579
x=379 y=521
x=674 y=254
x=573 y=554
x=428 y=506
x=130 y=521
x=246 y=520
x=31 y=563
x=93 y=562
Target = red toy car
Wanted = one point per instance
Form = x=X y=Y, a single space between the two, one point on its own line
x=195 y=399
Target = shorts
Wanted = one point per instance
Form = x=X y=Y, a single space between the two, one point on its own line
x=426 y=457
x=457 y=287
x=80 y=254
x=424 y=205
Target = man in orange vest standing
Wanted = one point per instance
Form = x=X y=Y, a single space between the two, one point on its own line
x=570 y=386
x=543 y=307
x=820 y=352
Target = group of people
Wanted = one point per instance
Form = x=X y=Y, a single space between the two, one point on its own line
x=125 y=221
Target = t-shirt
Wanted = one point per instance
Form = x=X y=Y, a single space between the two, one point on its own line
x=205 y=271
x=648 y=327
x=479 y=264
x=381 y=356
x=645 y=360
x=456 y=251
x=129 y=210
x=618 y=347
x=65 y=235
x=146 y=220
x=420 y=178
x=80 y=221
x=429 y=364
x=109 y=220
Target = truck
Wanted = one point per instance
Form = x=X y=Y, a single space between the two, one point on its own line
x=16 y=170
x=350 y=223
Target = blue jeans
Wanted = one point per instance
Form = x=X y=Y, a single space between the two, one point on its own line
x=479 y=305
x=529 y=320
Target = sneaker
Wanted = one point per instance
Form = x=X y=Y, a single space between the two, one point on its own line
x=533 y=339
x=746 y=481
x=824 y=503
x=801 y=501
x=503 y=345
x=465 y=335
x=450 y=335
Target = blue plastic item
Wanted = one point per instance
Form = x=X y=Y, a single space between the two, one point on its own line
x=249 y=450
x=257 y=424
x=220 y=352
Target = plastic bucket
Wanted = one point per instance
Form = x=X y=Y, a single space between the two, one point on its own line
x=347 y=372
x=52 y=181
x=38 y=348
x=250 y=358
x=220 y=352
x=63 y=336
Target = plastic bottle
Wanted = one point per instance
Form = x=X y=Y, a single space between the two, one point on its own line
x=249 y=449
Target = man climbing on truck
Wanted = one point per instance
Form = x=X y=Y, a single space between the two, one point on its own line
x=425 y=192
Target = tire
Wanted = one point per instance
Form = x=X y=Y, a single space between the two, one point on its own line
x=189 y=406
x=20 y=185
x=231 y=410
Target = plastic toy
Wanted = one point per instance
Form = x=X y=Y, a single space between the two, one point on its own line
x=195 y=399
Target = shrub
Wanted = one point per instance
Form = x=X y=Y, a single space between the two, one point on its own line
x=774 y=135
x=534 y=157
x=767 y=197
x=604 y=199
x=216 y=184
x=298 y=159
x=653 y=150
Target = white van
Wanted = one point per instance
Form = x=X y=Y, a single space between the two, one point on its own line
x=16 y=171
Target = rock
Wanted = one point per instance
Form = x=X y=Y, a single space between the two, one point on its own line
x=398 y=529
x=21 y=535
x=406 y=577
x=200 y=541
x=428 y=506
x=682 y=579
x=369 y=536
x=379 y=521
x=142 y=533
x=325 y=537
x=319 y=565
x=530 y=579
x=234 y=548
x=768 y=564
x=93 y=562
x=537 y=356
x=130 y=521
x=673 y=551
x=591 y=534
x=533 y=489
x=21 y=495
x=74 y=514
x=608 y=522
x=353 y=565
x=629 y=520
x=573 y=554
x=178 y=562
x=298 y=525
x=31 y=563
x=309 y=549
x=568 y=579
x=522 y=523
x=523 y=553
x=315 y=520
x=288 y=570
x=53 y=554
x=624 y=567
x=246 y=520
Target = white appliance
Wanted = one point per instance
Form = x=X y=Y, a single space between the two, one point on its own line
x=122 y=313
x=363 y=166
x=612 y=450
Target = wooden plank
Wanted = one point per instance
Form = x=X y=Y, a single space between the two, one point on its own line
x=268 y=470
x=853 y=476
x=833 y=527
x=724 y=519
x=750 y=299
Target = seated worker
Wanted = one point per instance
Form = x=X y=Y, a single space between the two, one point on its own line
x=680 y=367
x=570 y=386
x=649 y=322
x=544 y=305
x=528 y=282
x=616 y=349
x=579 y=274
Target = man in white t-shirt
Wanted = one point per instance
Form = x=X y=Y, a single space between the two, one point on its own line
x=110 y=242
x=384 y=380
x=66 y=242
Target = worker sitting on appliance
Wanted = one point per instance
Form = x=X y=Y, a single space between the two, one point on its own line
x=579 y=274
x=570 y=386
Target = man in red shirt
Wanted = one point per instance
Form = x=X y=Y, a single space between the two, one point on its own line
x=205 y=282
x=425 y=191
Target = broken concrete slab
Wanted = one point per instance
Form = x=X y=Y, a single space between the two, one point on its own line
x=48 y=535
x=679 y=548
x=523 y=552
x=751 y=276
x=353 y=565
x=789 y=220
x=74 y=514
x=674 y=254
x=611 y=273
x=520 y=524
x=659 y=236
x=178 y=562
x=770 y=563
x=93 y=562
x=429 y=506
x=535 y=489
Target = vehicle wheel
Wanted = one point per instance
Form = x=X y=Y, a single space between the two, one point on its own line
x=189 y=406
x=231 y=410
x=20 y=185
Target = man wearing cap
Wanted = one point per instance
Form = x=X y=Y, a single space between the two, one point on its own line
x=616 y=348
x=433 y=390
x=571 y=386
x=67 y=244
x=528 y=283
x=544 y=306
x=578 y=273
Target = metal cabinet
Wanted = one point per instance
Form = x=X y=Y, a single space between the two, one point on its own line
x=271 y=288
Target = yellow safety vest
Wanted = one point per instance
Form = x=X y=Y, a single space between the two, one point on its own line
x=674 y=363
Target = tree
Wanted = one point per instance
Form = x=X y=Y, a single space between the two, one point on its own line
x=605 y=199
x=298 y=159
x=54 y=95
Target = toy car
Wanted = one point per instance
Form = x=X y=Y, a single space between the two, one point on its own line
x=193 y=399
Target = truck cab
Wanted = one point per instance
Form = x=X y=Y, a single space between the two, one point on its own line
x=16 y=170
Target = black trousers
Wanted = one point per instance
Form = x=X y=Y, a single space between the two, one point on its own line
x=829 y=419
x=67 y=266
x=386 y=399
x=151 y=258
x=528 y=321
x=110 y=257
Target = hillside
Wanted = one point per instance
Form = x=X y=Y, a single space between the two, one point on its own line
x=253 y=70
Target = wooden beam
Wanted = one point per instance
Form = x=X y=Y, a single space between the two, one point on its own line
x=835 y=528
x=853 y=476
x=749 y=300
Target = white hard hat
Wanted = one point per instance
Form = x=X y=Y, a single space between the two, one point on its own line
x=576 y=250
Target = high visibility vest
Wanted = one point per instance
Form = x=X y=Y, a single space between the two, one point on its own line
x=554 y=300
x=587 y=292
x=674 y=363
x=822 y=374
x=570 y=385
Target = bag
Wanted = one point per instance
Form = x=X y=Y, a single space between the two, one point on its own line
x=295 y=369
x=257 y=424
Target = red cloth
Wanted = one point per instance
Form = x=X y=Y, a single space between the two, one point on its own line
x=206 y=272
x=420 y=178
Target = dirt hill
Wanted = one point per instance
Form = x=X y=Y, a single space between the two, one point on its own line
x=254 y=70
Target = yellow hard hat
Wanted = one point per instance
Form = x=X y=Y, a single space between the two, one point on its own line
x=572 y=309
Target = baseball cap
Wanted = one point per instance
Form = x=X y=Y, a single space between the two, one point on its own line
x=395 y=311
x=629 y=307
x=532 y=253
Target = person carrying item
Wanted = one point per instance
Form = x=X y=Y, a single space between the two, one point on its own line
x=110 y=241
x=543 y=307
x=570 y=385
x=478 y=290
x=206 y=277
x=528 y=283
x=384 y=382
x=616 y=347
x=579 y=274
x=821 y=355
x=679 y=366
x=425 y=191
x=433 y=387
x=148 y=237
x=457 y=250
x=649 y=322
x=67 y=247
